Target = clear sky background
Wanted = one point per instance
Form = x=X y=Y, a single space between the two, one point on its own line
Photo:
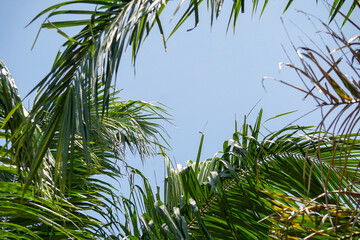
x=206 y=78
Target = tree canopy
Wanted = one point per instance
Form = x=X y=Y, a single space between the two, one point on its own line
x=298 y=182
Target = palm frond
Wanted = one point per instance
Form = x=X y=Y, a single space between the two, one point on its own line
x=238 y=7
x=330 y=79
x=81 y=77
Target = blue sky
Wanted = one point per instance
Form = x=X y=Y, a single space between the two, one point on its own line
x=206 y=77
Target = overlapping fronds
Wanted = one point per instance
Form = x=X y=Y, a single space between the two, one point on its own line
x=76 y=93
x=133 y=124
x=282 y=186
x=91 y=57
x=256 y=189
x=86 y=65
x=238 y=7
x=53 y=195
x=331 y=77
x=32 y=216
x=39 y=212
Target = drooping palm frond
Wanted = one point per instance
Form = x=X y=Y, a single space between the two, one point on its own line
x=81 y=77
x=39 y=212
x=13 y=116
x=238 y=7
x=91 y=58
x=256 y=189
x=133 y=124
x=330 y=76
x=60 y=199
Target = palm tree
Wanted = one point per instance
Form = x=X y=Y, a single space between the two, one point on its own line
x=88 y=63
x=280 y=186
x=52 y=196
x=77 y=130
x=89 y=60
x=268 y=187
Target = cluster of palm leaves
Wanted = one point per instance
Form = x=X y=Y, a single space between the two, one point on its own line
x=297 y=182
x=52 y=196
x=282 y=185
